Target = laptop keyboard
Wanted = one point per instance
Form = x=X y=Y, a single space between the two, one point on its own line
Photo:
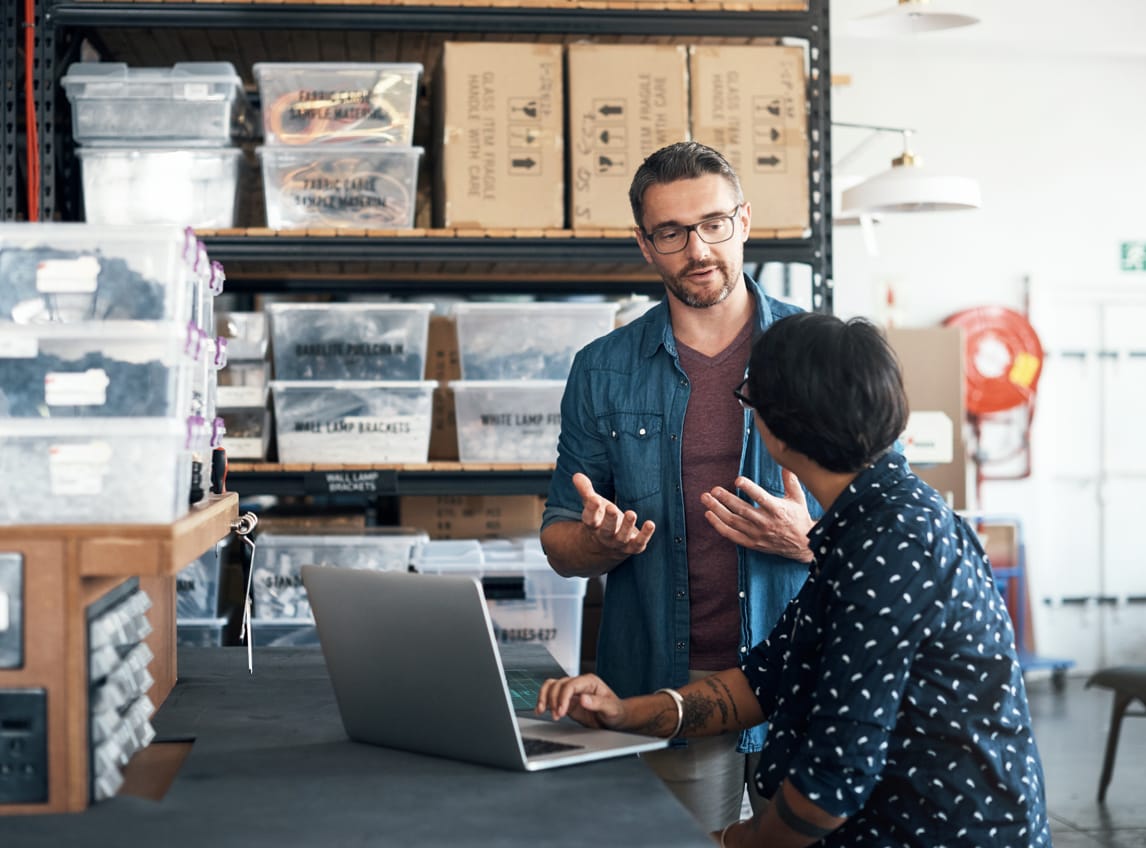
x=535 y=747
x=523 y=687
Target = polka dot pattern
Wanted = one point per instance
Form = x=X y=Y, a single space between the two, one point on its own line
x=892 y=683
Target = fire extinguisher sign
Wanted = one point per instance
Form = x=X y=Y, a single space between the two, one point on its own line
x=1134 y=256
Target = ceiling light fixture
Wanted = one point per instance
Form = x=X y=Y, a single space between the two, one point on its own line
x=907 y=186
x=907 y=17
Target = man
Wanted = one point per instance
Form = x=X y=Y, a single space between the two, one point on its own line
x=653 y=449
x=892 y=684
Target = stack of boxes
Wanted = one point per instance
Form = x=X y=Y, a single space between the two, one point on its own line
x=155 y=142
x=348 y=382
x=515 y=358
x=106 y=373
x=338 y=142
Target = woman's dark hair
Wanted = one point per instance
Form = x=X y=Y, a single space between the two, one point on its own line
x=685 y=160
x=830 y=389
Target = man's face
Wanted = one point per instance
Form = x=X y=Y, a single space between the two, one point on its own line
x=701 y=275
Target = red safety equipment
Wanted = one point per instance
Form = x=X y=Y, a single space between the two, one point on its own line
x=1002 y=358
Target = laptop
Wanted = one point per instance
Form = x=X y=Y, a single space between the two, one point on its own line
x=415 y=666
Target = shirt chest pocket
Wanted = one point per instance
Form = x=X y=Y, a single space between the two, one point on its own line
x=634 y=443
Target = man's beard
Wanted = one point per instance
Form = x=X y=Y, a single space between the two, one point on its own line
x=679 y=289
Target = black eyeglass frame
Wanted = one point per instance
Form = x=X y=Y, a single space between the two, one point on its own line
x=745 y=403
x=693 y=228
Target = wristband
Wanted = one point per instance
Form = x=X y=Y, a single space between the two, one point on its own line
x=679 y=701
x=724 y=832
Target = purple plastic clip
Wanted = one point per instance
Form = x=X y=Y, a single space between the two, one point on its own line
x=218 y=277
x=195 y=425
x=194 y=344
x=218 y=431
x=220 y=352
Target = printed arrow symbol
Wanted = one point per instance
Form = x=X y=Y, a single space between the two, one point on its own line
x=768 y=160
x=773 y=108
x=611 y=110
x=523 y=163
x=605 y=137
x=775 y=133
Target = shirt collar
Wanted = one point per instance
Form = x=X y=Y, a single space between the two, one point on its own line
x=881 y=475
x=659 y=333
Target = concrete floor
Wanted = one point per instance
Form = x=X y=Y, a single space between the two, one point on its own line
x=1070 y=729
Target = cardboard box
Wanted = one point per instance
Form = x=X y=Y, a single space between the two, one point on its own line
x=443 y=365
x=625 y=102
x=932 y=362
x=501 y=135
x=750 y=103
x=472 y=516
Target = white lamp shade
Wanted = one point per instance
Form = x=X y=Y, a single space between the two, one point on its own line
x=909 y=188
x=909 y=17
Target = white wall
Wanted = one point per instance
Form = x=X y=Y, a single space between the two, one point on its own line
x=1043 y=104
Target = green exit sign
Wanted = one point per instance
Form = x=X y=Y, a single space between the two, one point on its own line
x=1134 y=256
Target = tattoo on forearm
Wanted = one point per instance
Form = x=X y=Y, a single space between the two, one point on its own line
x=698 y=709
x=659 y=723
x=720 y=705
x=731 y=700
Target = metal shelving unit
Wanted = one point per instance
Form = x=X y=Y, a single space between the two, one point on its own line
x=10 y=77
x=439 y=478
x=66 y=22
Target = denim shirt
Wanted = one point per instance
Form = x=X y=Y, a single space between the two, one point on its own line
x=621 y=419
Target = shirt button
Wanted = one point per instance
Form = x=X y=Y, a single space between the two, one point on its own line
x=673 y=436
x=684 y=383
x=642 y=431
x=680 y=646
x=680 y=594
x=613 y=434
x=743 y=649
x=677 y=539
x=742 y=594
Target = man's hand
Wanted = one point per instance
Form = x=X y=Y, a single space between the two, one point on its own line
x=614 y=531
x=774 y=525
x=585 y=699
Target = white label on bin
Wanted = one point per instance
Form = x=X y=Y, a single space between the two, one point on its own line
x=243 y=447
x=67 y=276
x=196 y=91
x=18 y=347
x=4 y=618
x=79 y=469
x=86 y=388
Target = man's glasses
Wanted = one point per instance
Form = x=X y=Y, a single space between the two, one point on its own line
x=674 y=239
x=745 y=403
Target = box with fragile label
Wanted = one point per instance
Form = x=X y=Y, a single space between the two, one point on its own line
x=362 y=421
x=626 y=101
x=472 y=516
x=500 y=127
x=750 y=103
x=276 y=563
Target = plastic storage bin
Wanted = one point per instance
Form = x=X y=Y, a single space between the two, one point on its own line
x=190 y=103
x=154 y=185
x=283 y=633
x=508 y=420
x=248 y=430
x=277 y=561
x=361 y=187
x=246 y=334
x=338 y=103
x=350 y=341
x=106 y=369
x=197 y=586
x=353 y=421
x=527 y=600
x=200 y=632
x=64 y=273
x=65 y=471
x=526 y=341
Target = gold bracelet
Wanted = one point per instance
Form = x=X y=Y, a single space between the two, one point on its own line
x=679 y=701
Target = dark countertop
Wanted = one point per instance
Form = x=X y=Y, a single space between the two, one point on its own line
x=271 y=766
